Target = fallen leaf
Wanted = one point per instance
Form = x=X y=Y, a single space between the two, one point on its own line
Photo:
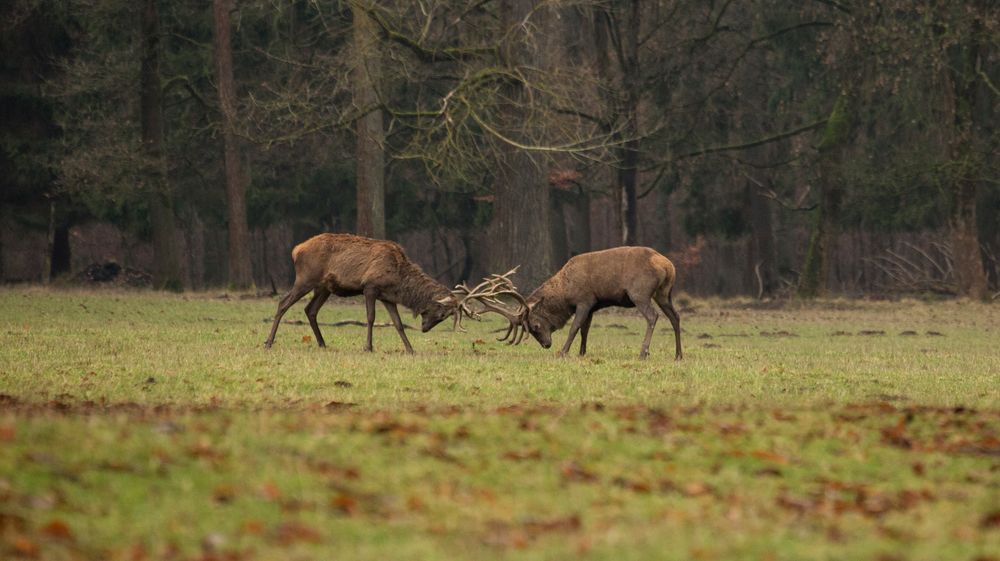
x=991 y=521
x=521 y=455
x=573 y=471
x=24 y=547
x=224 y=493
x=57 y=529
x=345 y=503
x=307 y=339
x=289 y=533
x=270 y=491
x=768 y=456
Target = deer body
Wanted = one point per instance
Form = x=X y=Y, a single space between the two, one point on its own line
x=618 y=277
x=348 y=265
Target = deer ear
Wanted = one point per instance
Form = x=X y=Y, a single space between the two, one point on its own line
x=536 y=304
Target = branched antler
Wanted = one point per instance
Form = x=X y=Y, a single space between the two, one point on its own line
x=488 y=293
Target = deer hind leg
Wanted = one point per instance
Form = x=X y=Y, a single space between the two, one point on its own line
x=312 y=310
x=394 y=314
x=646 y=309
x=667 y=305
x=293 y=296
x=584 y=331
x=370 y=309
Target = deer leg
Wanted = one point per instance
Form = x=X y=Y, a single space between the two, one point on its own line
x=584 y=330
x=649 y=313
x=394 y=314
x=667 y=305
x=370 y=308
x=312 y=310
x=293 y=296
x=579 y=318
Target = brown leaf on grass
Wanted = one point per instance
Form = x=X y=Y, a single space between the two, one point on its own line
x=24 y=547
x=767 y=456
x=288 y=533
x=57 y=529
x=345 y=504
x=991 y=521
x=224 y=493
x=696 y=489
x=12 y=522
x=573 y=471
x=521 y=455
x=896 y=435
x=204 y=449
x=520 y=535
x=780 y=415
x=270 y=491
x=307 y=339
x=333 y=470
x=8 y=433
x=252 y=527
x=634 y=485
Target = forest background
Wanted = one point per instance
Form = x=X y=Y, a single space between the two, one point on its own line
x=770 y=148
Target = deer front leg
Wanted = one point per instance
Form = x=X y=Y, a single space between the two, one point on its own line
x=370 y=308
x=293 y=296
x=394 y=314
x=584 y=331
x=582 y=313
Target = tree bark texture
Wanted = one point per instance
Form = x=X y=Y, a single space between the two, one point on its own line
x=519 y=231
x=167 y=273
x=819 y=272
x=240 y=272
x=967 y=108
x=370 y=150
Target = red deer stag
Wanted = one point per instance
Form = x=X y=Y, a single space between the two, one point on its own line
x=623 y=276
x=348 y=265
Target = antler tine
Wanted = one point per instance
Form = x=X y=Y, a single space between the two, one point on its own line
x=488 y=293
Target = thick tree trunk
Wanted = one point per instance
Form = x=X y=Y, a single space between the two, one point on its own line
x=240 y=272
x=369 y=127
x=969 y=270
x=819 y=272
x=519 y=230
x=967 y=108
x=167 y=270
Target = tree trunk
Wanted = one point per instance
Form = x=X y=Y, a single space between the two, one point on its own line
x=819 y=271
x=966 y=109
x=240 y=272
x=519 y=230
x=167 y=270
x=628 y=154
x=969 y=271
x=369 y=127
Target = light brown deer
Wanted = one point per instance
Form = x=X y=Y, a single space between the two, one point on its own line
x=348 y=265
x=623 y=276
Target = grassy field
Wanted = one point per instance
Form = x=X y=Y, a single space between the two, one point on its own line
x=145 y=426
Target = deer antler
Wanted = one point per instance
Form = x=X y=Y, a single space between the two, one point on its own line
x=488 y=294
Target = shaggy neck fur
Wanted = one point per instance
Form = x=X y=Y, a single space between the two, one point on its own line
x=550 y=306
x=418 y=291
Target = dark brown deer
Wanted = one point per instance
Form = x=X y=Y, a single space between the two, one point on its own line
x=623 y=276
x=348 y=265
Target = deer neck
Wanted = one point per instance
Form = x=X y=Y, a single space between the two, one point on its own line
x=550 y=304
x=418 y=292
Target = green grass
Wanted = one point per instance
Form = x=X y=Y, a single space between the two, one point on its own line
x=151 y=426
